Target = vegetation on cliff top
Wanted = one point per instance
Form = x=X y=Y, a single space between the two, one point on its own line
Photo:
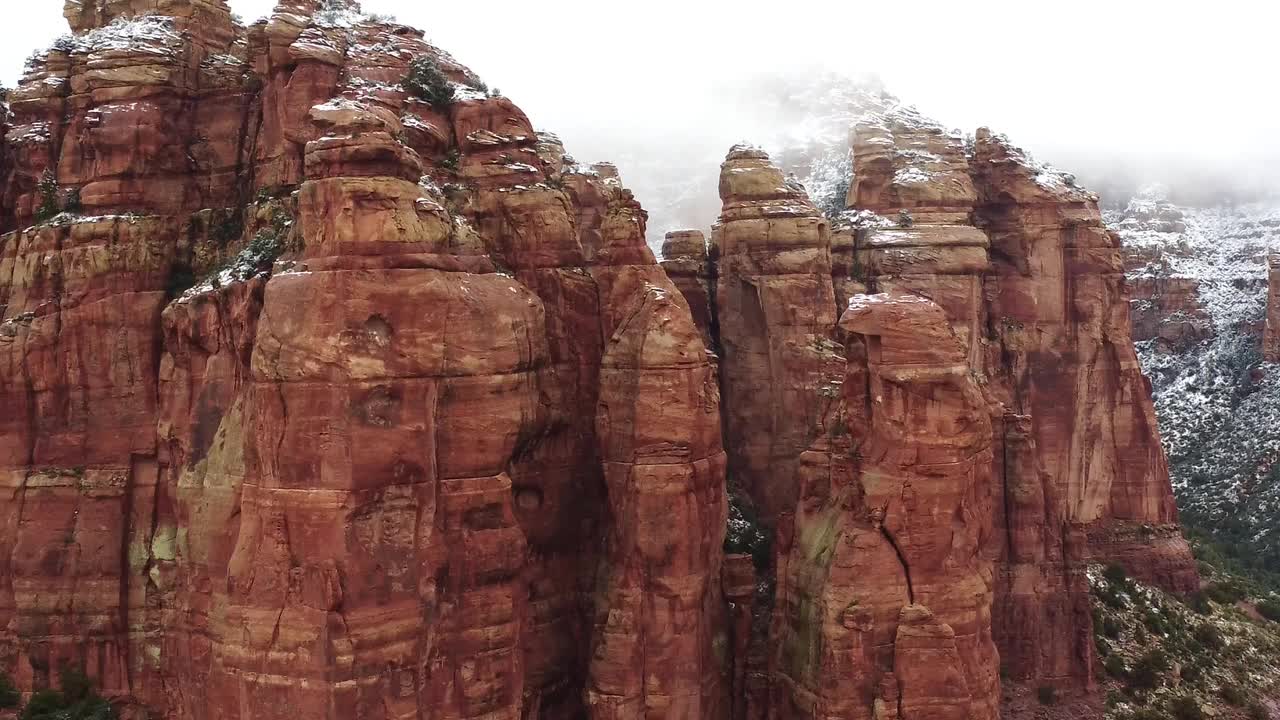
x=426 y=82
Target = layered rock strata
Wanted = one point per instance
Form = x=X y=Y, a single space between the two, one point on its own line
x=1167 y=307
x=1026 y=303
x=661 y=610
x=326 y=399
x=1167 y=310
x=1058 y=292
x=871 y=586
x=686 y=261
x=776 y=313
x=369 y=482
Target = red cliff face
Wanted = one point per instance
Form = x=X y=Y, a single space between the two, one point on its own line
x=660 y=615
x=1271 y=330
x=381 y=478
x=776 y=312
x=871 y=587
x=991 y=380
x=323 y=399
x=686 y=260
x=1057 y=288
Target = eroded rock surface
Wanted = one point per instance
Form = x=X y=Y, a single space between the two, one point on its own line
x=324 y=399
x=1060 y=297
x=776 y=313
x=661 y=612
x=1271 y=331
x=872 y=587
x=355 y=470
x=686 y=260
x=1033 y=420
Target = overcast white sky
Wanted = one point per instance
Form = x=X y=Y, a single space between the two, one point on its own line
x=1195 y=80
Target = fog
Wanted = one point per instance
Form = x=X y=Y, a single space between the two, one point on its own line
x=1119 y=92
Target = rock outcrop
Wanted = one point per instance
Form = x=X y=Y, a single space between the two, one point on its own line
x=661 y=611
x=991 y=379
x=1167 y=310
x=1271 y=330
x=921 y=180
x=355 y=471
x=776 y=313
x=326 y=398
x=871 y=587
x=687 y=262
x=1166 y=307
x=1200 y=277
x=1058 y=293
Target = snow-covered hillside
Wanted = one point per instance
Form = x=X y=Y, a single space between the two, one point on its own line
x=1218 y=404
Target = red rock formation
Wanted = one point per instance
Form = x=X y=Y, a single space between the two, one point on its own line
x=685 y=260
x=436 y=435
x=1062 y=480
x=739 y=582
x=909 y=170
x=407 y=511
x=1271 y=331
x=920 y=177
x=1060 y=313
x=336 y=503
x=871 y=585
x=661 y=611
x=103 y=123
x=848 y=274
x=1041 y=610
x=79 y=351
x=776 y=311
x=1168 y=311
x=1165 y=307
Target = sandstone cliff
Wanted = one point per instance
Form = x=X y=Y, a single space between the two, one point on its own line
x=332 y=394
x=357 y=470
x=1271 y=331
x=1013 y=405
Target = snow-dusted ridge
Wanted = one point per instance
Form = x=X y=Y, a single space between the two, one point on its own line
x=1217 y=403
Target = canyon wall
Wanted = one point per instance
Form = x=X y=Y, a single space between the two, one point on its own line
x=322 y=397
x=989 y=378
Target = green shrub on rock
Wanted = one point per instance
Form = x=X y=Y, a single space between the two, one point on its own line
x=1270 y=609
x=1148 y=672
x=1185 y=707
x=426 y=82
x=75 y=700
x=9 y=696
